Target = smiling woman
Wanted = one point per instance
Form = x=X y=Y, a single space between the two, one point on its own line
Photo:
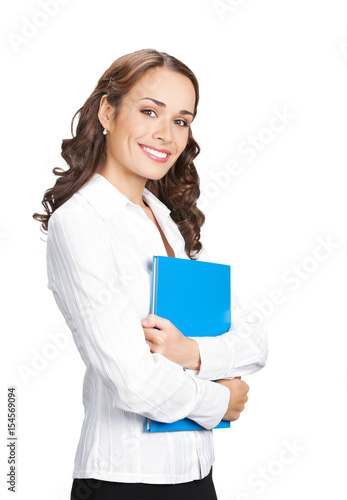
x=138 y=131
x=156 y=95
x=130 y=193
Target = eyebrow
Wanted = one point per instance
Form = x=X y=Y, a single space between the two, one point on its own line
x=163 y=105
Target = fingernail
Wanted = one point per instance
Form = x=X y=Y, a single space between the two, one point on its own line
x=144 y=322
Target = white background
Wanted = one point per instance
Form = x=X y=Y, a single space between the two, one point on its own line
x=253 y=61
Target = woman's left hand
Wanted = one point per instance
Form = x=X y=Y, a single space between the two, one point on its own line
x=171 y=343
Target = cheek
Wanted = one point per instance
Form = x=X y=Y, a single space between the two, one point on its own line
x=129 y=125
x=135 y=126
x=126 y=135
x=182 y=141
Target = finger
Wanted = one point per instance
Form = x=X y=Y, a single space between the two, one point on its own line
x=155 y=321
x=152 y=336
x=151 y=346
x=154 y=348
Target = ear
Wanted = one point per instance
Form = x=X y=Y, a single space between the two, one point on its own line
x=105 y=112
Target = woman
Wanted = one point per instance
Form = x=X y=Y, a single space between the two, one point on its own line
x=130 y=193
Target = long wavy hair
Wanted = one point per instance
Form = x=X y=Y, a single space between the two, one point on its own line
x=178 y=189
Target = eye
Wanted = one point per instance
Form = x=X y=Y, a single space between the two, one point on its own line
x=145 y=111
x=183 y=122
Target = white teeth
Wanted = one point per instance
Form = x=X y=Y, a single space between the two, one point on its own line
x=155 y=153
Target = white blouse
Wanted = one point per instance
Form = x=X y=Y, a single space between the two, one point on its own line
x=100 y=248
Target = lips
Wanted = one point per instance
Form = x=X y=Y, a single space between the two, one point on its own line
x=156 y=149
x=156 y=154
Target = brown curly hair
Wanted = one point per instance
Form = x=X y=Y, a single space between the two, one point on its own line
x=178 y=189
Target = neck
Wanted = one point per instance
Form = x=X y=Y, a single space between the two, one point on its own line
x=132 y=187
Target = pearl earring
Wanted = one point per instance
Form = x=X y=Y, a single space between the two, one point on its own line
x=105 y=131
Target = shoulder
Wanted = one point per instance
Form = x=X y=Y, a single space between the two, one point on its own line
x=75 y=211
x=77 y=224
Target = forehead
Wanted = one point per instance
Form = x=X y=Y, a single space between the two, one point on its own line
x=170 y=87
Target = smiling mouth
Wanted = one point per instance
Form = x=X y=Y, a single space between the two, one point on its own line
x=155 y=152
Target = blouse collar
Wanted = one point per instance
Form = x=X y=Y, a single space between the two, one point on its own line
x=108 y=200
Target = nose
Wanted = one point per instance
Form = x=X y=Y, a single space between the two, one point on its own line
x=163 y=131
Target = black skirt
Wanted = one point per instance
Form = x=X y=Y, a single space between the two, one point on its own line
x=96 y=489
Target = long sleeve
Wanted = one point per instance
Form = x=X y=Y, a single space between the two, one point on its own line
x=107 y=330
x=240 y=351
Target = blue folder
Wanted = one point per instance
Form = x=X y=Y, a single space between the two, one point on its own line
x=195 y=296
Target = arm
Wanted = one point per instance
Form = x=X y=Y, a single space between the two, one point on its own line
x=240 y=351
x=108 y=333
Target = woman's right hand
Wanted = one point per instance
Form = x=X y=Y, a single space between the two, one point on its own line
x=238 y=397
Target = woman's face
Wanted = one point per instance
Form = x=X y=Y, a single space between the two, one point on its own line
x=151 y=129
